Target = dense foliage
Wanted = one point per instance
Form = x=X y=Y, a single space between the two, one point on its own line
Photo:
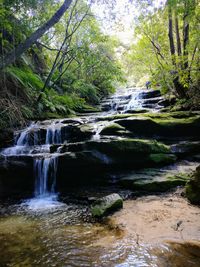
x=166 y=49
x=70 y=68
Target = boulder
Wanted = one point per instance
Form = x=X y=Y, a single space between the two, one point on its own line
x=78 y=132
x=163 y=159
x=105 y=205
x=186 y=148
x=112 y=129
x=193 y=187
x=152 y=181
x=160 y=185
x=126 y=146
x=163 y=127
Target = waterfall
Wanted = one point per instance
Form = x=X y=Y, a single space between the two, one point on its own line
x=24 y=138
x=135 y=101
x=53 y=136
x=45 y=170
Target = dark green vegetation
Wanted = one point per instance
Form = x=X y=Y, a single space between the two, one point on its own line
x=55 y=60
x=71 y=67
x=167 y=50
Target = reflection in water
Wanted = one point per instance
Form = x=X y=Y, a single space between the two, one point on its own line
x=65 y=237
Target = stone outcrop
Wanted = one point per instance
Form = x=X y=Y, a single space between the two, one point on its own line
x=106 y=205
x=193 y=187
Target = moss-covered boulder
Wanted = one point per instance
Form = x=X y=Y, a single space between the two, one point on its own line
x=154 y=183
x=78 y=132
x=105 y=205
x=162 y=158
x=112 y=129
x=162 y=126
x=162 y=185
x=193 y=187
x=125 y=146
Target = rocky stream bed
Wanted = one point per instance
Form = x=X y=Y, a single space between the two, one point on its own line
x=59 y=176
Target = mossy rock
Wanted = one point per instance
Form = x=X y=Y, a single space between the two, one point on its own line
x=106 y=205
x=89 y=109
x=114 y=117
x=78 y=132
x=163 y=185
x=186 y=148
x=162 y=158
x=112 y=129
x=126 y=146
x=193 y=187
x=162 y=126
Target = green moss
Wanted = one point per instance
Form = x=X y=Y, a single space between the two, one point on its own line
x=193 y=187
x=106 y=205
x=162 y=158
x=180 y=116
x=115 y=117
x=125 y=146
x=162 y=185
x=111 y=129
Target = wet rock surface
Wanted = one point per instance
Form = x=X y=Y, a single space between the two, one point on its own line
x=193 y=187
x=105 y=205
x=96 y=160
x=89 y=149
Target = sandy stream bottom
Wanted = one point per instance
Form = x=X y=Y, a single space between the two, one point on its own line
x=151 y=231
x=151 y=219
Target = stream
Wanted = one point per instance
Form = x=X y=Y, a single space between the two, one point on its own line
x=46 y=221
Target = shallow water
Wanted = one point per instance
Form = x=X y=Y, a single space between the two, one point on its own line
x=65 y=236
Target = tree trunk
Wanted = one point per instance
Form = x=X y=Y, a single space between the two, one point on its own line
x=170 y=35
x=23 y=47
x=186 y=28
x=178 y=86
x=178 y=39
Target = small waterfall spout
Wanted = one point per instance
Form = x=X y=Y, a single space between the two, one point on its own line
x=45 y=170
x=45 y=174
x=53 y=136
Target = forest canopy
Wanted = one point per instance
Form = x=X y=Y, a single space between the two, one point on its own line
x=69 y=68
x=56 y=58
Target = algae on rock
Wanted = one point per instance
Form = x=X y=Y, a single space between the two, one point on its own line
x=193 y=187
x=106 y=205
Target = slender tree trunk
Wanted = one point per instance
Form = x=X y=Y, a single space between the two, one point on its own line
x=21 y=48
x=178 y=86
x=178 y=39
x=170 y=35
x=186 y=28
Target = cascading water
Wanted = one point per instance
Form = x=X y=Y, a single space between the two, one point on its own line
x=28 y=142
x=53 y=136
x=45 y=170
x=135 y=102
x=35 y=141
x=45 y=175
